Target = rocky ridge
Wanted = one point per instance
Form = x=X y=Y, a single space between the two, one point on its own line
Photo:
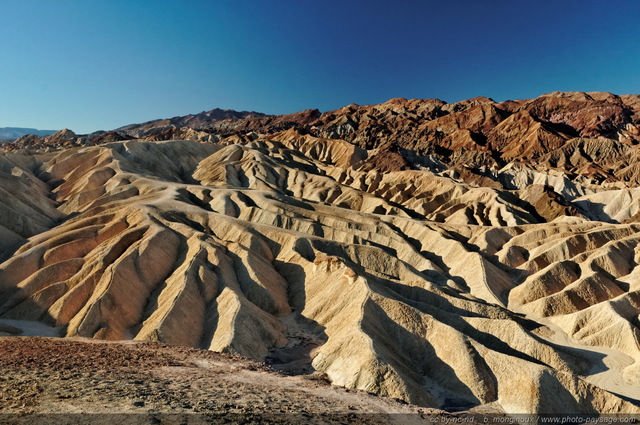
x=490 y=262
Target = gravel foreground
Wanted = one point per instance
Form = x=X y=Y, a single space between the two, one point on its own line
x=48 y=380
x=83 y=381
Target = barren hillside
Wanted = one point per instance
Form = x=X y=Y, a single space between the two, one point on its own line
x=448 y=255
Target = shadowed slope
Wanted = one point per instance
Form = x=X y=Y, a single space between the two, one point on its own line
x=285 y=248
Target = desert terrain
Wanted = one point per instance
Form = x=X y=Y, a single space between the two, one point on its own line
x=472 y=255
x=88 y=381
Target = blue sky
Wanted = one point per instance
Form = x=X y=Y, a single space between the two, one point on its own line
x=98 y=64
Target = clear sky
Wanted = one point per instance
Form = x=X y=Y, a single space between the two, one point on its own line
x=100 y=64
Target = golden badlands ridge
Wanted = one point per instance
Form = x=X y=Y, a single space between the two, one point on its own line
x=422 y=284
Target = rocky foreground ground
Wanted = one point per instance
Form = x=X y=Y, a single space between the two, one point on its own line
x=48 y=379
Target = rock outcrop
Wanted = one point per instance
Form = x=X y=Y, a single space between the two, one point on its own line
x=404 y=283
x=448 y=255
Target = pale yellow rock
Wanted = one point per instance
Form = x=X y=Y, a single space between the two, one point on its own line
x=409 y=284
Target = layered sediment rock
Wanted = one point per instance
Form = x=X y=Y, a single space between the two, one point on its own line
x=409 y=284
x=449 y=255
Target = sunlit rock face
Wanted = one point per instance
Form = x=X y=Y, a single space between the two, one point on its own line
x=495 y=263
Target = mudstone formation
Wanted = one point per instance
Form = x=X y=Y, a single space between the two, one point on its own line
x=450 y=255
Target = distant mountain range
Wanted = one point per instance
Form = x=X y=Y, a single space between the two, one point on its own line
x=194 y=121
x=12 y=133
